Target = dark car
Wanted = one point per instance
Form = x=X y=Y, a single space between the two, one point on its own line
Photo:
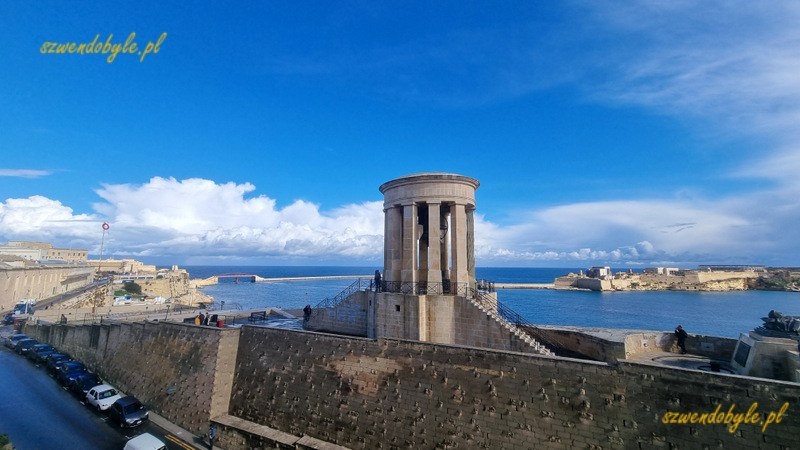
x=81 y=384
x=12 y=340
x=39 y=352
x=69 y=371
x=8 y=319
x=128 y=412
x=55 y=360
x=24 y=345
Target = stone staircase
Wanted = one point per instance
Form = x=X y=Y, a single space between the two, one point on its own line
x=493 y=310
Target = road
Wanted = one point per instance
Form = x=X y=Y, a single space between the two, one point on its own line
x=44 y=303
x=37 y=413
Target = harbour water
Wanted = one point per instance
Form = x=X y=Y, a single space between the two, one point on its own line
x=711 y=313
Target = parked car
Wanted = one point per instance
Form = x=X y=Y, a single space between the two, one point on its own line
x=39 y=352
x=145 y=441
x=102 y=397
x=23 y=345
x=69 y=371
x=81 y=384
x=55 y=360
x=128 y=412
x=12 y=340
x=8 y=319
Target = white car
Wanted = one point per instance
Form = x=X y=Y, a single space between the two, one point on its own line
x=145 y=441
x=102 y=396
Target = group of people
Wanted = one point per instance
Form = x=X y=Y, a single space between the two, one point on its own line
x=207 y=319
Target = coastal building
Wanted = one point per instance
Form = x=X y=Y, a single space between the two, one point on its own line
x=661 y=270
x=126 y=266
x=600 y=272
x=45 y=251
x=35 y=281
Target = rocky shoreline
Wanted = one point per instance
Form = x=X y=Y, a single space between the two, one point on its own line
x=685 y=280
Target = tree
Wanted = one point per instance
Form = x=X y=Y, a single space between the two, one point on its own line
x=132 y=288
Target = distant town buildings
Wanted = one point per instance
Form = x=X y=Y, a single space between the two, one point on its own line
x=127 y=266
x=37 y=270
x=43 y=251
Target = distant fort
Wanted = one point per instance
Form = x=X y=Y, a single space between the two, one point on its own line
x=705 y=278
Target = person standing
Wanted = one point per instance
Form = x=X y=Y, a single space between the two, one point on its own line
x=212 y=433
x=681 y=334
x=377 y=280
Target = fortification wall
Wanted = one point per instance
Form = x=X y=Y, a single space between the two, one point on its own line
x=388 y=393
x=347 y=317
x=592 y=347
x=183 y=372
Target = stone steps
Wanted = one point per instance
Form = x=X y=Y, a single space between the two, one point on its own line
x=521 y=334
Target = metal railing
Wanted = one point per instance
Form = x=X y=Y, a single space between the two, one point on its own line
x=426 y=288
x=330 y=302
x=479 y=293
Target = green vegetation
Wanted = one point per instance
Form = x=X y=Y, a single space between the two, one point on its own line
x=120 y=292
x=778 y=281
x=132 y=288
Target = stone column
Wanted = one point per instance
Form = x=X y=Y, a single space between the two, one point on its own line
x=471 y=245
x=394 y=219
x=387 y=243
x=424 y=241
x=458 y=229
x=410 y=243
x=434 y=244
x=446 y=243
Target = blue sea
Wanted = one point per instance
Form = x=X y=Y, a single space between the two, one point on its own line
x=711 y=313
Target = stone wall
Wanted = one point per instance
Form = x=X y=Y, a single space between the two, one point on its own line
x=348 y=317
x=574 y=341
x=793 y=365
x=388 y=393
x=444 y=319
x=183 y=372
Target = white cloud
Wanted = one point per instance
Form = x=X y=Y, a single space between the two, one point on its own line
x=200 y=219
x=24 y=173
x=620 y=231
x=40 y=218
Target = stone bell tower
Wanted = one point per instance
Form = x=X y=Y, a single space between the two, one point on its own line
x=428 y=291
x=429 y=232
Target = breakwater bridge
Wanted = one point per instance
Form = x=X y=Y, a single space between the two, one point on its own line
x=255 y=278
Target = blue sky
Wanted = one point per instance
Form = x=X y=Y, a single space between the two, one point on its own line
x=623 y=133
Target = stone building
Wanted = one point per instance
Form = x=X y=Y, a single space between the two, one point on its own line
x=44 y=251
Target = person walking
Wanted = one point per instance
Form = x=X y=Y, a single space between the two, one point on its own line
x=681 y=334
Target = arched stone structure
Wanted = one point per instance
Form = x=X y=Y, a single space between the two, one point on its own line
x=429 y=230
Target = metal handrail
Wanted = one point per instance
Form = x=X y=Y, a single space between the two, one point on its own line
x=511 y=316
x=425 y=288
x=330 y=302
x=479 y=294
